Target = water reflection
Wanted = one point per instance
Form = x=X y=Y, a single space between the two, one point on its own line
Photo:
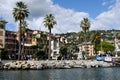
x=63 y=74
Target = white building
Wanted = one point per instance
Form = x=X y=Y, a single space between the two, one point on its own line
x=55 y=42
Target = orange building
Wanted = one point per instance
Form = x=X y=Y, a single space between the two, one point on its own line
x=11 y=44
x=9 y=40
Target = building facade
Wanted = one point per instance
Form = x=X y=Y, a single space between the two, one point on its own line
x=55 y=47
x=11 y=44
x=87 y=47
x=27 y=43
x=9 y=40
x=41 y=39
x=2 y=33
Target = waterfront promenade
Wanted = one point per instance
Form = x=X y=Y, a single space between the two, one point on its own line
x=52 y=64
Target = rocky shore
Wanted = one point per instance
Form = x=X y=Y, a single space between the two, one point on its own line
x=52 y=64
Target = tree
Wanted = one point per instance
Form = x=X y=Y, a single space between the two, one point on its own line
x=40 y=55
x=23 y=33
x=41 y=39
x=81 y=36
x=20 y=12
x=106 y=46
x=95 y=40
x=49 y=22
x=85 y=25
x=3 y=53
x=63 y=50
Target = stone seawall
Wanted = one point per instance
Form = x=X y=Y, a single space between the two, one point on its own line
x=52 y=64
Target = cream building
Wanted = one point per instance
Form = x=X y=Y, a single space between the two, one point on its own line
x=2 y=33
x=41 y=37
x=88 y=47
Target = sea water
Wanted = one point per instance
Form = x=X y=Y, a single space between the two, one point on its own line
x=62 y=74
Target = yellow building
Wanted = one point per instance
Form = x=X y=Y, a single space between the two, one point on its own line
x=2 y=33
x=40 y=37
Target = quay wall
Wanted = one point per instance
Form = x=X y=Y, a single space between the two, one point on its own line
x=51 y=64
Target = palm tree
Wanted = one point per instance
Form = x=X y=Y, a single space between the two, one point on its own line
x=81 y=36
x=49 y=22
x=95 y=40
x=23 y=33
x=20 y=13
x=95 y=37
x=85 y=25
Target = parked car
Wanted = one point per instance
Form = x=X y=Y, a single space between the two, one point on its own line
x=101 y=58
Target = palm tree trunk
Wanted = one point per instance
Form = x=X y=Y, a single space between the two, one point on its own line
x=49 y=53
x=85 y=43
x=85 y=38
x=23 y=41
x=19 y=52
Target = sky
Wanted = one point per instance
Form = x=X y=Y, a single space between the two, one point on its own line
x=103 y=14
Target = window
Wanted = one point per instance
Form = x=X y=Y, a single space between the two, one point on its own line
x=55 y=44
x=1 y=26
x=1 y=41
x=119 y=46
x=1 y=33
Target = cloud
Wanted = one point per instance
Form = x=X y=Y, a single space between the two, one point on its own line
x=104 y=3
x=109 y=19
x=108 y=3
x=68 y=20
x=39 y=8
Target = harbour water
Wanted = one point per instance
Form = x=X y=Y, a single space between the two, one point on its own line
x=62 y=74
